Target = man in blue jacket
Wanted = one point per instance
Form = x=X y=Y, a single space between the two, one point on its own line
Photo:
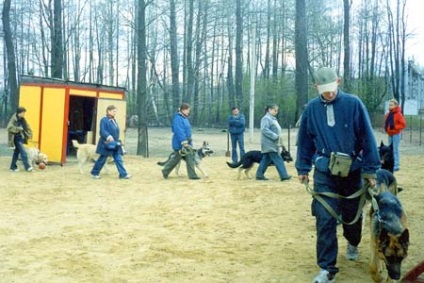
x=335 y=122
x=181 y=143
x=237 y=124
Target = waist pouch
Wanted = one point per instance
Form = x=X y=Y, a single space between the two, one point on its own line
x=339 y=164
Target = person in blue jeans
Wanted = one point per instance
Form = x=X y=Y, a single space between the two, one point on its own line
x=394 y=123
x=19 y=132
x=109 y=134
x=271 y=145
x=236 y=127
x=335 y=122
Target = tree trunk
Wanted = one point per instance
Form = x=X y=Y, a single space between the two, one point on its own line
x=12 y=84
x=142 y=144
x=346 y=37
x=176 y=100
x=301 y=76
x=57 y=46
x=239 y=53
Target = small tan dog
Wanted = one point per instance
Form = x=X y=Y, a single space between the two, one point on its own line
x=35 y=156
x=87 y=152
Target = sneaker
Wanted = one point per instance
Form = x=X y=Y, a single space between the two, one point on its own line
x=324 y=277
x=128 y=176
x=95 y=176
x=286 y=178
x=14 y=170
x=164 y=175
x=351 y=252
x=195 y=178
x=30 y=169
x=262 y=178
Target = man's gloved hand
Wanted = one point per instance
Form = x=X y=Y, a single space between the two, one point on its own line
x=20 y=128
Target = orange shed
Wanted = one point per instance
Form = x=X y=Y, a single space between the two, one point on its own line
x=59 y=111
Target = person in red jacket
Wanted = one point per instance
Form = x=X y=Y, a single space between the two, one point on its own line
x=394 y=124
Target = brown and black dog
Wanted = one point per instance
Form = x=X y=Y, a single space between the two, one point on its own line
x=389 y=232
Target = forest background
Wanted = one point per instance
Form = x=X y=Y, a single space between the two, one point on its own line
x=213 y=54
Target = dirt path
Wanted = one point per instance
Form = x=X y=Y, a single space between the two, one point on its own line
x=57 y=225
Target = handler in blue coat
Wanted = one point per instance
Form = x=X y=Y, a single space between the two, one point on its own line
x=181 y=143
x=236 y=126
x=335 y=122
x=109 y=145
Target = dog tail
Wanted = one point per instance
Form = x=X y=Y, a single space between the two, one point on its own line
x=234 y=165
x=75 y=143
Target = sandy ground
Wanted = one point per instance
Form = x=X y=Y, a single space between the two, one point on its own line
x=57 y=225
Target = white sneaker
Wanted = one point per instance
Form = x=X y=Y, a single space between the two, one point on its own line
x=352 y=252
x=324 y=277
x=95 y=176
x=30 y=169
x=14 y=170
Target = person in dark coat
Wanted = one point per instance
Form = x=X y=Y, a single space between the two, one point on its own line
x=236 y=127
x=182 y=143
x=19 y=132
x=109 y=145
x=335 y=122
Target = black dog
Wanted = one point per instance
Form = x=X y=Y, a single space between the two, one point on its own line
x=386 y=156
x=255 y=156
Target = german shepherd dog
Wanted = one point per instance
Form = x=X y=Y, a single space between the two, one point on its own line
x=386 y=156
x=255 y=156
x=389 y=237
x=199 y=154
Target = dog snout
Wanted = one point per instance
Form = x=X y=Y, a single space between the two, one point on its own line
x=394 y=270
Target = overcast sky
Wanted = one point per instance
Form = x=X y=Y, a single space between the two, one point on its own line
x=415 y=46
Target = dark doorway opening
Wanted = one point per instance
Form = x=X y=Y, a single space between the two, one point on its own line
x=81 y=120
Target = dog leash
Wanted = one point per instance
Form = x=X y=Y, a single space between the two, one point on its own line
x=360 y=193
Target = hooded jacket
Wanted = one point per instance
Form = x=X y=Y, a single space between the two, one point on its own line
x=399 y=122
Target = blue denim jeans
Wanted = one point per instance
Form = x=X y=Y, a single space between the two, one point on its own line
x=395 y=139
x=19 y=149
x=275 y=158
x=326 y=224
x=117 y=158
x=237 y=139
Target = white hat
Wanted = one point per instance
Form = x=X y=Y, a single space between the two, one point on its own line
x=326 y=80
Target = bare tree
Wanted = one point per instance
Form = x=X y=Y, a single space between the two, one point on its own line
x=56 y=40
x=12 y=85
x=301 y=76
x=346 y=41
x=176 y=99
x=142 y=101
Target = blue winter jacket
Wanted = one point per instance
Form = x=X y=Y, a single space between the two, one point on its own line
x=108 y=127
x=236 y=124
x=351 y=134
x=181 y=130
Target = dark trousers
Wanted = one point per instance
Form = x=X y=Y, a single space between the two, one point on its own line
x=117 y=158
x=175 y=158
x=19 y=149
x=237 y=139
x=326 y=225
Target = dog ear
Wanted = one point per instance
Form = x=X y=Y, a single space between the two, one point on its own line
x=382 y=143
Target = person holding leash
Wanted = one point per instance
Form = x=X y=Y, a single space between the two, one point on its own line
x=182 y=143
x=236 y=127
x=335 y=135
x=394 y=123
x=19 y=132
x=271 y=145
x=109 y=145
